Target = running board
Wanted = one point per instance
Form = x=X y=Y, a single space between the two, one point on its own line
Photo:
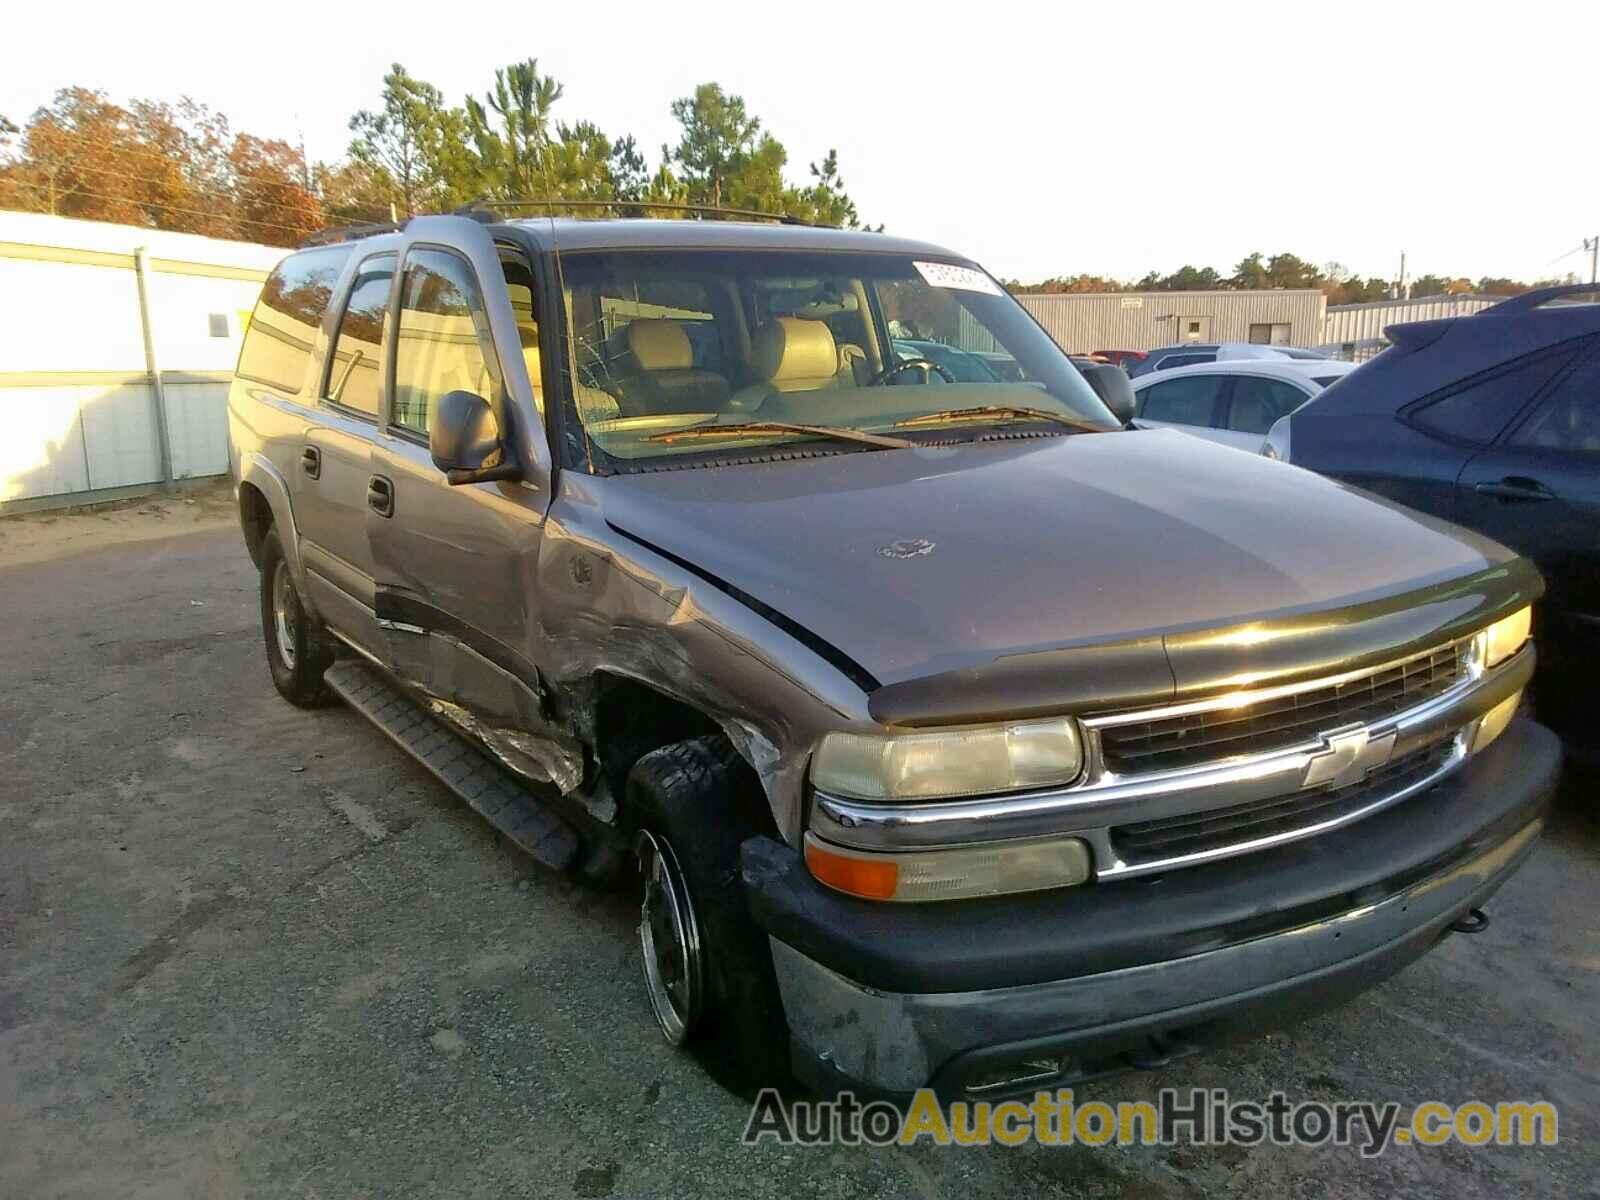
x=462 y=767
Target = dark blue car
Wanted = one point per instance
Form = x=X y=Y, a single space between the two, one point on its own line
x=1491 y=421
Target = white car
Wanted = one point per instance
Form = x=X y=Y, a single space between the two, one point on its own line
x=1235 y=402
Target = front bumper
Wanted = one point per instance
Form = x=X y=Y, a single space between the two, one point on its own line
x=1023 y=992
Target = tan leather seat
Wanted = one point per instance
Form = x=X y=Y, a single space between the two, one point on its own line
x=659 y=374
x=789 y=354
x=794 y=355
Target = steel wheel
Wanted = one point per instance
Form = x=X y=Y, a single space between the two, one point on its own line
x=669 y=935
x=285 y=614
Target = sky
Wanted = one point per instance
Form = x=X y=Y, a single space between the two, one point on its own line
x=1043 y=139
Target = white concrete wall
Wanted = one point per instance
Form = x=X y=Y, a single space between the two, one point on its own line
x=75 y=394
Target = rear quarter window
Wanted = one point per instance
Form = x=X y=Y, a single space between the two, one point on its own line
x=278 y=345
x=1477 y=409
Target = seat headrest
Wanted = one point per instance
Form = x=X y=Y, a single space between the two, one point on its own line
x=791 y=350
x=658 y=345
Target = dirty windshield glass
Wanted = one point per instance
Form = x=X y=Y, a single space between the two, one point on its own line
x=697 y=351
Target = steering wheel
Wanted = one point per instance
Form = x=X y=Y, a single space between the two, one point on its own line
x=926 y=365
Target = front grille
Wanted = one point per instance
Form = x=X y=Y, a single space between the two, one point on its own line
x=1203 y=737
x=1220 y=828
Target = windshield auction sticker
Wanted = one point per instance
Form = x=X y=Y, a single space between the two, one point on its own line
x=1206 y=1116
x=966 y=279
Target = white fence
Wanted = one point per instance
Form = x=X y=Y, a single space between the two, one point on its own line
x=81 y=356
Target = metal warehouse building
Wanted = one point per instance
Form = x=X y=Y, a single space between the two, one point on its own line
x=1140 y=320
x=117 y=350
x=1355 y=331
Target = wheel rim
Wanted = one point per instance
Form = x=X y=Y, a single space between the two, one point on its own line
x=285 y=614
x=669 y=935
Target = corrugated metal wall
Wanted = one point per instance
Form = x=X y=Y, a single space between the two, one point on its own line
x=1360 y=322
x=75 y=395
x=1142 y=320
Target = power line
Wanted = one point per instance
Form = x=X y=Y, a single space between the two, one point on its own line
x=193 y=212
x=141 y=151
x=281 y=181
x=1578 y=249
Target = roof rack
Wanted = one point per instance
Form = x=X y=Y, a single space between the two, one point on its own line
x=1529 y=301
x=349 y=233
x=478 y=206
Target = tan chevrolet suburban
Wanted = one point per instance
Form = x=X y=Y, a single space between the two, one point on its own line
x=956 y=734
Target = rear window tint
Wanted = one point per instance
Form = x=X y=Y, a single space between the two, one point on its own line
x=283 y=329
x=1477 y=410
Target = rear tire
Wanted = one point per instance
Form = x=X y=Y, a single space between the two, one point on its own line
x=707 y=965
x=298 y=651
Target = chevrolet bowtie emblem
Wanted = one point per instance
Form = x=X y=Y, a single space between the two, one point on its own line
x=1349 y=756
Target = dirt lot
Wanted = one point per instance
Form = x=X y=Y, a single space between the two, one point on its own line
x=249 y=950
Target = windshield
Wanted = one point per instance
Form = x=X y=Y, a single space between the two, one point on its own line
x=665 y=343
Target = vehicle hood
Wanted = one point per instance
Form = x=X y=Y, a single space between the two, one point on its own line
x=914 y=562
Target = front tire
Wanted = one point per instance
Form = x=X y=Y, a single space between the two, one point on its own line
x=707 y=966
x=298 y=651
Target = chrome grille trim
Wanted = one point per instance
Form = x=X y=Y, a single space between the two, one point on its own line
x=1101 y=800
x=1254 y=723
x=1244 y=695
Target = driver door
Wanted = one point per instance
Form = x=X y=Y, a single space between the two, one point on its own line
x=456 y=566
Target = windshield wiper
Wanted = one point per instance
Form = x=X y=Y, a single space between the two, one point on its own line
x=742 y=428
x=1011 y=412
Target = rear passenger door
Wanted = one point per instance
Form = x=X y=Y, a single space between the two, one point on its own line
x=1195 y=404
x=1537 y=490
x=1457 y=423
x=456 y=566
x=335 y=454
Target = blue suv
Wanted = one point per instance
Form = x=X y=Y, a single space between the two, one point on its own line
x=1491 y=421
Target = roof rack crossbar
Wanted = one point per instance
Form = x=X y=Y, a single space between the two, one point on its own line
x=643 y=205
x=349 y=233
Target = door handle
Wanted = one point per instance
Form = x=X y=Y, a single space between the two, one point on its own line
x=380 y=496
x=1515 y=487
x=311 y=462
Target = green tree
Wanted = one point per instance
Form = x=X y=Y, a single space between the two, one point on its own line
x=414 y=142
x=1429 y=285
x=718 y=139
x=824 y=202
x=513 y=151
x=1291 y=271
x=1250 y=273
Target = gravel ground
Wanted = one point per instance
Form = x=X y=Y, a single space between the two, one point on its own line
x=250 y=950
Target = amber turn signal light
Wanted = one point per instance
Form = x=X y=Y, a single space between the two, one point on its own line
x=870 y=878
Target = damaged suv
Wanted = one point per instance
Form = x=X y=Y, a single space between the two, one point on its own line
x=958 y=735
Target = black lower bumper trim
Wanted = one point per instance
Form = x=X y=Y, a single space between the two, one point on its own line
x=1009 y=941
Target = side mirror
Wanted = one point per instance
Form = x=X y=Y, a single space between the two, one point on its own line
x=1110 y=383
x=464 y=440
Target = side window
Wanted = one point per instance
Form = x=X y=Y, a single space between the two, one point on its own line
x=1569 y=418
x=355 y=372
x=283 y=329
x=442 y=338
x=1258 y=402
x=1185 y=360
x=1478 y=410
x=1188 y=401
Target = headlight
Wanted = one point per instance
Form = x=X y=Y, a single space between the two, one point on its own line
x=1506 y=636
x=943 y=763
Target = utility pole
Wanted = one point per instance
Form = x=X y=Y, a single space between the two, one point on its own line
x=1400 y=288
x=1592 y=245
